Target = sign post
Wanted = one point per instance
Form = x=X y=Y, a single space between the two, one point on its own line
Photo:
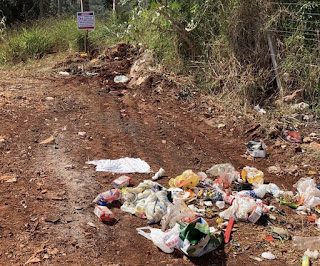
x=85 y=21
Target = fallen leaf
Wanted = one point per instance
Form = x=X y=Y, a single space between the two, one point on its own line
x=48 y=140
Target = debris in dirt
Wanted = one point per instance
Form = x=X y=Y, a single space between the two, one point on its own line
x=64 y=73
x=49 y=99
x=158 y=174
x=221 y=126
x=256 y=149
x=293 y=136
x=121 y=181
x=188 y=179
x=195 y=239
x=69 y=167
x=48 y=140
x=108 y=197
x=227 y=234
x=279 y=233
x=259 y=109
x=268 y=256
x=8 y=178
x=82 y=134
x=274 y=169
x=305 y=261
x=91 y=224
x=166 y=241
x=252 y=175
x=52 y=219
x=312 y=254
x=33 y=260
x=121 y=79
x=104 y=214
x=255 y=258
x=163 y=141
x=122 y=166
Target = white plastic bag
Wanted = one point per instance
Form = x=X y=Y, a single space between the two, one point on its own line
x=307 y=189
x=166 y=241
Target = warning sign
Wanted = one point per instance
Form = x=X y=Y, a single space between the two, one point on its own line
x=85 y=20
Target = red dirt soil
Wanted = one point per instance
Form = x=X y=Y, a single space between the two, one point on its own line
x=45 y=214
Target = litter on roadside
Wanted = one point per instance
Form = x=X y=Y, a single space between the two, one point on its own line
x=122 y=166
x=222 y=195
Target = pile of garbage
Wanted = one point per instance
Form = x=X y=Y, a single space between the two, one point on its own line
x=221 y=193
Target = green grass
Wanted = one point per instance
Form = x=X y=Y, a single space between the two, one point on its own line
x=51 y=36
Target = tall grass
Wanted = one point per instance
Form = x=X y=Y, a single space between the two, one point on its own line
x=51 y=36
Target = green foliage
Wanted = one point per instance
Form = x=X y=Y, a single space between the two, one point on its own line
x=56 y=35
x=152 y=30
x=32 y=43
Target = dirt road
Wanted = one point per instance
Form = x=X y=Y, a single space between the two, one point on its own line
x=46 y=216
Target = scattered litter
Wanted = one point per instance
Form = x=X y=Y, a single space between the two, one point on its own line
x=121 y=79
x=196 y=240
x=256 y=149
x=252 y=175
x=108 y=197
x=255 y=258
x=259 y=109
x=159 y=174
x=221 y=126
x=274 y=169
x=305 y=261
x=121 y=181
x=227 y=234
x=279 y=233
x=123 y=165
x=268 y=256
x=312 y=254
x=48 y=140
x=9 y=178
x=82 y=134
x=91 y=224
x=293 y=136
x=166 y=241
x=64 y=73
x=104 y=214
x=188 y=179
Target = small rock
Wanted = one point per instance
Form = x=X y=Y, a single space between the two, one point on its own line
x=49 y=98
x=163 y=141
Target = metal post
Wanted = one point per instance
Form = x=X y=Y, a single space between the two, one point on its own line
x=275 y=65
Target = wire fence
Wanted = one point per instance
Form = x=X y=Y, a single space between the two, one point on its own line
x=295 y=31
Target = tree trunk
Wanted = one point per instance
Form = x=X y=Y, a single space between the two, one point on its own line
x=114 y=6
x=41 y=8
x=86 y=5
x=59 y=7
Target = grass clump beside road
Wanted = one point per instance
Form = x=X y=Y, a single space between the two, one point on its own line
x=51 y=36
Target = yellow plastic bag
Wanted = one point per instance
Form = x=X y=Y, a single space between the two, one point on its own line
x=188 y=179
x=252 y=175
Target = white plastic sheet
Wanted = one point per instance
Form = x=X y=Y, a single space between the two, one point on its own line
x=122 y=166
